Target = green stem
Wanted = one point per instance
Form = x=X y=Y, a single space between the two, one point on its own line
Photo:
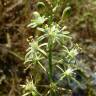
x=50 y=60
x=52 y=93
